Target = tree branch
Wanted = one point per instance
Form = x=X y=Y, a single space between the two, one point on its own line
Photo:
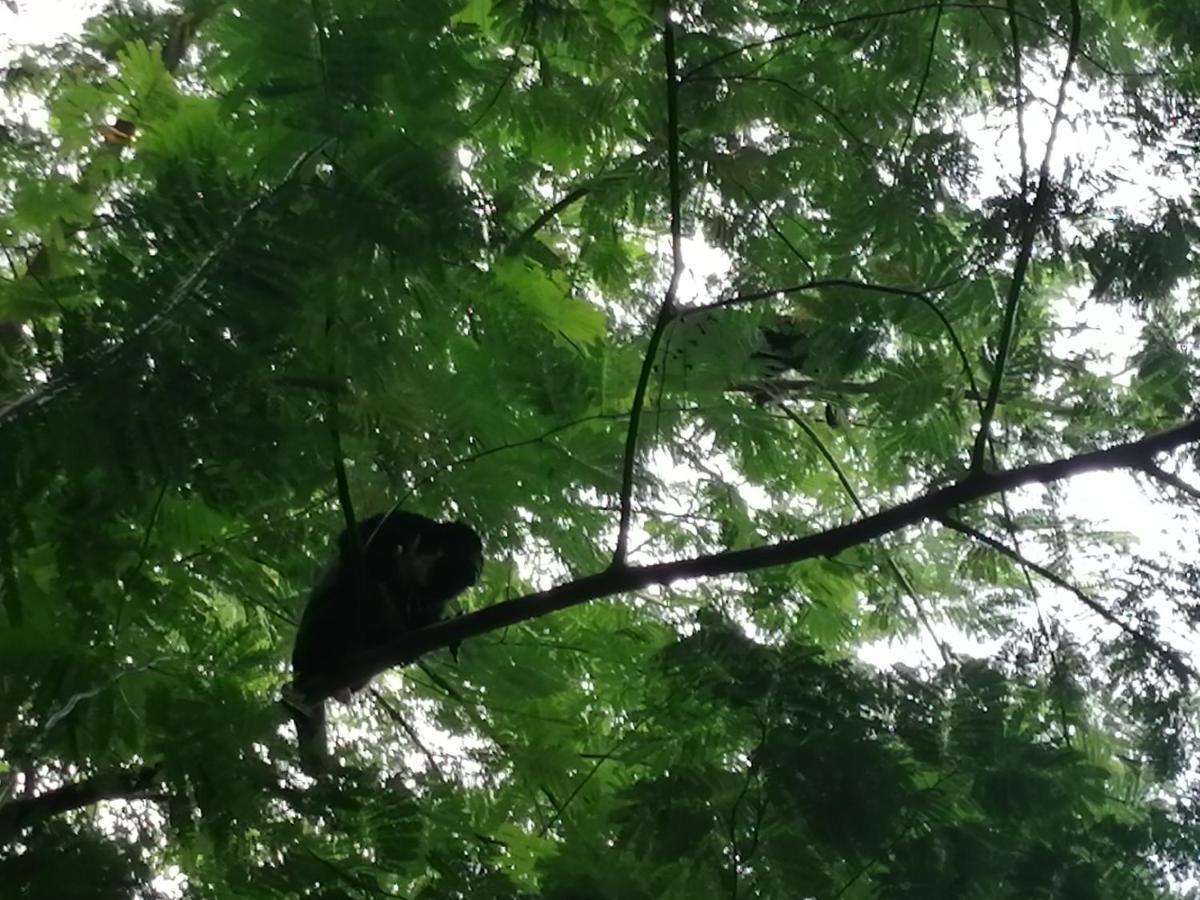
x=1173 y=659
x=916 y=104
x=1170 y=478
x=666 y=312
x=40 y=396
x=901 y=577
x=624 y=579
x=920 y=296
x=537 y=224
x=122 y=784
x=1029 y=230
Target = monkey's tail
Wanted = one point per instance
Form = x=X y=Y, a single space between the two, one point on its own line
x=309 y=719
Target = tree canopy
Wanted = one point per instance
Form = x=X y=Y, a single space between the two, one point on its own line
x=761 y=341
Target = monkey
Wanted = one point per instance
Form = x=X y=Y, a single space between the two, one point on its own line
x=413 y=567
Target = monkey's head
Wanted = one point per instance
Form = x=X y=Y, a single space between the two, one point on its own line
x=460 y=557
x=444 y=560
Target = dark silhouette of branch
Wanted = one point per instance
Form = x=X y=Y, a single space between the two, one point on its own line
x=619 y=579
x=866 y=151
x=537 y=224
x=122 y=784
x=1173 y=659
x=916 y=104
x=398 y=718
x=821 y=389
x=505 y=82
x=815 y=284
x=1019 y=83
x=1170 y=478
x=804 y=32
x=1029 y=229
x=848 y=488
x=834 y=24
x=666 y=311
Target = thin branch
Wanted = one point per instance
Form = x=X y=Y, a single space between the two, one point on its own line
x=921 y=297
x=1025 y=253
x=504 y=83
x=916 y=104
x=1019 y=80
x=901 y=577
x=626 y=579
x=398 y=718
x=822 y=389
x=560 y=808
x=142 y=557
x=1177 y=664
x=834 y=24
x=910 y=821
x=805 y=32
x=865 y=149
x=571 y=196
x=795 y=251
x=499 y=448
x=666 y=312
x=358 y=556
x=813 y=285
x=1170 y=478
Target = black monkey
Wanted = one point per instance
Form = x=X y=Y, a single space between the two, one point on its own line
x=413 y=567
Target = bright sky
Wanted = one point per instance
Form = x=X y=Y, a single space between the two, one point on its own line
x=41 y=21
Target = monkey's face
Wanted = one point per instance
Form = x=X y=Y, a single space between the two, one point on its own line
x=459 y=560
x=441 y=563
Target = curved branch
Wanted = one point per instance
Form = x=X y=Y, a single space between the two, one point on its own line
x=900 y=11
x=1171 y=479
x=805 y=32
x=916 y=104
x=866 y=150
x=625 y=579
x=901 y=577
x=191 y=281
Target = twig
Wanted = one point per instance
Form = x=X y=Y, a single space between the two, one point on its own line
x=536 y=225
x=1019 y=80
x=833 y=24
x=916 y=104
x=396 y=716
x=920 y=296
x=901 y=577
x=866 y=151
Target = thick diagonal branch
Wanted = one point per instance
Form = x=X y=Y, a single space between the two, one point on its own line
x=623 y=579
